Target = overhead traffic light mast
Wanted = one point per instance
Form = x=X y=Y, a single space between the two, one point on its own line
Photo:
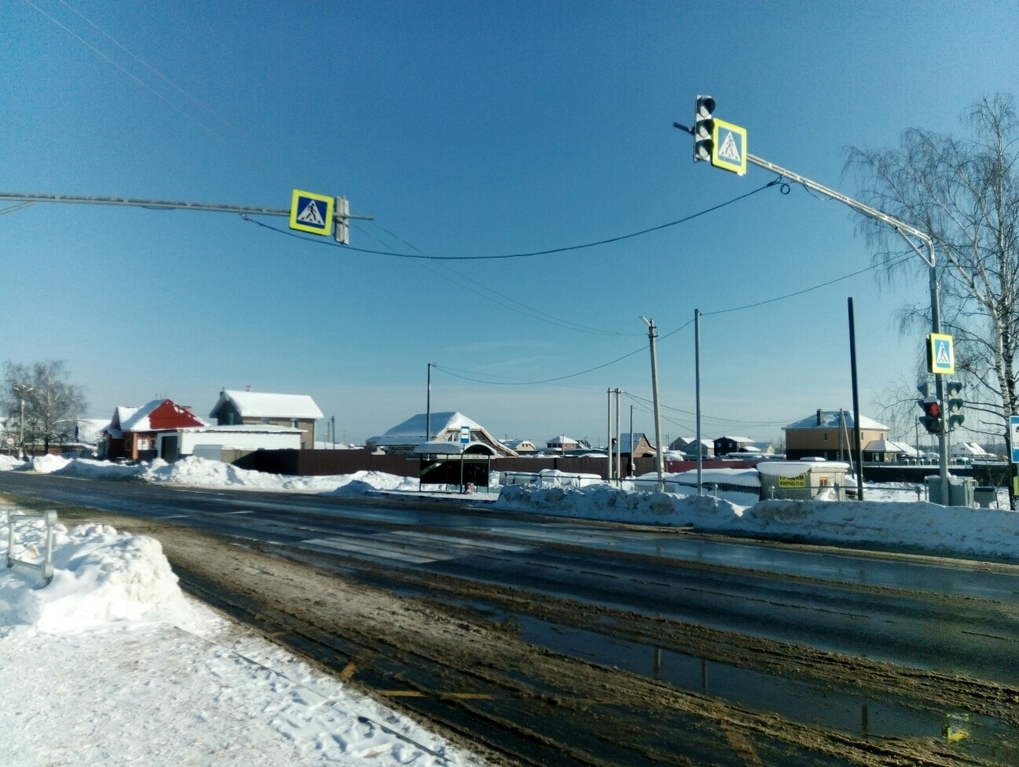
x=904 y=230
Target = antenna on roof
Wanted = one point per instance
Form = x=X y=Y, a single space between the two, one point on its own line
x=247 y=388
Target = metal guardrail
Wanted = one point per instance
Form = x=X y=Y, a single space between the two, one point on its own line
x=49 y=517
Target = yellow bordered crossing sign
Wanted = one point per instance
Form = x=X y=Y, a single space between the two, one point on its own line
x=729 y=147
x=310 y=212
x=940 y=354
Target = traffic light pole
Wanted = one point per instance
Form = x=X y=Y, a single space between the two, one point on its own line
x=905 y=231
x=342 y=216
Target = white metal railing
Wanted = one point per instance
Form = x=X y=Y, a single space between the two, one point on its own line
x=49 y=518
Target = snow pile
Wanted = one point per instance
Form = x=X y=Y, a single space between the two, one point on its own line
x=47 y=464
x=200 y=472
x=10 y=463
x=609 y=503
x=89 y=469
x=917 y=526
x=101 y=577
x=166 y=681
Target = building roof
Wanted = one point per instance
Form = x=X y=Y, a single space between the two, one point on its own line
x=739 y=440
x=562 y=439
x=830 y=420
x=159 y=415
x=883 y=446
x=412 y=431
x=256 y=404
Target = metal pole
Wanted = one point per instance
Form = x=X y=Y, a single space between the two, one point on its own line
x=619 y=443
x=940 y=389
x=856 y=404
x=652 y=333
x=608 y=439
x=697 y=382
x=633 y=466
x=428 y=407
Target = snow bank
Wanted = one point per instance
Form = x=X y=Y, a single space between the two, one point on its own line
x=609 y=503
x=199 y=472
x=917 y=526
x=10 y=463
x=101 y=577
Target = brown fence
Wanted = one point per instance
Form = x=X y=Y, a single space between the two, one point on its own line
x=326 y=462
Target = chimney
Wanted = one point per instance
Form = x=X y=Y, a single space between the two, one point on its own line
x=820 y=417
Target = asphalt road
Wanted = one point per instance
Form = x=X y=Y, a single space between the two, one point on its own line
x=946 y=615
x=639 y=587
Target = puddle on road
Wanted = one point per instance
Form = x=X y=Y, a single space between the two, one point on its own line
x=794 y=700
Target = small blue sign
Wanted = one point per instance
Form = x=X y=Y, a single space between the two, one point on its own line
x=1013 y=433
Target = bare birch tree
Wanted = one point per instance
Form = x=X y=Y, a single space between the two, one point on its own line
x=52 y=403
x=965 y=193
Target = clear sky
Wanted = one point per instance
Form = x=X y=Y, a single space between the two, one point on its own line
x=466 y=129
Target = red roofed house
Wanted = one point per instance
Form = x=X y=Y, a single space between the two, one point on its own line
x=133 y=434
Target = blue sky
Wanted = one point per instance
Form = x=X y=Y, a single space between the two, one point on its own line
x=466 y=129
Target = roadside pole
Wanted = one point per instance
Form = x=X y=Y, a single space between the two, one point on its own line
x=652 y=333
x=856 y=405
x=697 y=386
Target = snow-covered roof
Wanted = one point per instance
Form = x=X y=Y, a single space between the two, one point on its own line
x=413 y=429
x=562 y=439
x=968 y=449
x=830 y=420
x=257 y=404
x=882 y=446
x=172 y=416
x=442 y=447
x=795 y=468
x=740 y=440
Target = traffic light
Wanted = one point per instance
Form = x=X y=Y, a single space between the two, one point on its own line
x=703 y=128
x=342 y=231
x=931 y=417
x=954 y=404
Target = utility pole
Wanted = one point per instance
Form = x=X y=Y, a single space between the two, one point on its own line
x=428 y=407
x=652 y=334
x=608 y=439
x=633 y=465
x=619 y=442
x=332 y=422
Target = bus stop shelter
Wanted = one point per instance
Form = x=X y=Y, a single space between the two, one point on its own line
x=454 y=463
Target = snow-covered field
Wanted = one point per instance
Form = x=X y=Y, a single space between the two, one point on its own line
x=112 y=664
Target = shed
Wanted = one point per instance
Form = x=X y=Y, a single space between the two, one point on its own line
x=803 y=480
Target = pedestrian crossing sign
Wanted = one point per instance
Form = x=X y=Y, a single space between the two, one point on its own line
x=310 y=212
x=729 y=147
x=940 y=354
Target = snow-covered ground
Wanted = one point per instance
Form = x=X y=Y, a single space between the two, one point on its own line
x=111 y=664
x=903 y=525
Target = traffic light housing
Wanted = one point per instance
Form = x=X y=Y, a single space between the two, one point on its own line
x=932 y=417
x=703 y=128
x=954 y=404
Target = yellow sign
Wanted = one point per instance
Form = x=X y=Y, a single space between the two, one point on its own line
x=800 y=480
x=940 y=354
x=729 y=147
x=310 y=212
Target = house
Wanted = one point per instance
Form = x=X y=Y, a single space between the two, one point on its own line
x=295 y=411
x=829 y=435
x=445 y=427
x=562 y=443
x=641 y=445
x=133 y=432
x=727 y=445
x=521 y=446
x=886 y=451
x=226 y=443
x=969 y=451
x=688 y=446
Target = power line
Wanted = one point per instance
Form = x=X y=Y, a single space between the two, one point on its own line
x=528 y=254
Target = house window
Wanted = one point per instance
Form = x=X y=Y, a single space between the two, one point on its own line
x=144 y=443
x=293 y=423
